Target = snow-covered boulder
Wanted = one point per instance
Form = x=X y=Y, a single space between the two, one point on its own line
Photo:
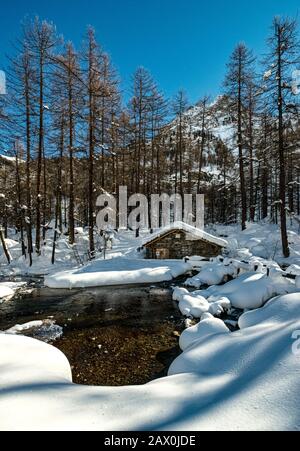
x=9 y=289
x=43 y=330
x=193 y=306
x=178 y=293
x=25 y=361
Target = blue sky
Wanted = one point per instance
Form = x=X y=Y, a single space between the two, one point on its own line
x=184 y=43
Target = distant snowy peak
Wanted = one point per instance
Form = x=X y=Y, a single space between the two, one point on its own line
x=217 y=127
x=218 y=122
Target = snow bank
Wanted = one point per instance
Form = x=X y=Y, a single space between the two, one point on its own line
x=118 y=271
x=25 y=361
x=8 y=290
x=261 y=240
x=212 y=274
x=246 y=380
x=250 y=290
x=206 y=327
x=253 y=371
x=5 y=292
x=193 y=306
x=44 y=330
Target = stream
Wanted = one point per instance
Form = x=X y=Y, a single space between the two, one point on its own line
x=113 y=336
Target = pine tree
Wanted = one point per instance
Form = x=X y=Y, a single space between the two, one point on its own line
x=237 y=81
x=283 y=56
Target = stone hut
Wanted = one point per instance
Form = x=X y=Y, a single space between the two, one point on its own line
x=181 y=240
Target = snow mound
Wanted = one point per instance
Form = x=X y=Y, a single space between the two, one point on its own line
x=207 y=326
x=44 y=330
x=118 y=271
x=5 y=292
x=194 y=305
x=252 y=370
x=212 y=274
x=245 y=380
x=8 y=290
x=26 y=361
x=250 y=290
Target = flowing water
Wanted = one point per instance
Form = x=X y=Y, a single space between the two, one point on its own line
x=112 y=336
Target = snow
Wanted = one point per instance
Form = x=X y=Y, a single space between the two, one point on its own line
x=263 y=241
x=8 y=290
x=250 y=290
x=212 y=274
x=245 y=380
x=5 y=292
x=206 y=327
x=268 y=74
x=242 y=380
x=293 y=270
x=118 y=271
x=23 y=328
x=43 y=330
x=194 y=305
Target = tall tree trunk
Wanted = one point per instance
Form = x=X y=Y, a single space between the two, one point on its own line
x=281 y=149
x=240 y=147
x=40 y=156
x=71 y=175
x=28 y=220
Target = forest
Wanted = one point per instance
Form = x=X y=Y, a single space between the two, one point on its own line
x=68 y=133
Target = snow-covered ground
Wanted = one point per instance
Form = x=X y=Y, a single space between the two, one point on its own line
x=9 y=289
x=118 y=271
x=246 y=380
x=259 y=241
x=242 y=380
x=43 y=330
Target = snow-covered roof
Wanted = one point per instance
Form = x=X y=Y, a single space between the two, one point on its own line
x=197 y=233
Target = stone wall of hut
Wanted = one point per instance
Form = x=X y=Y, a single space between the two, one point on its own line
x=178 y=245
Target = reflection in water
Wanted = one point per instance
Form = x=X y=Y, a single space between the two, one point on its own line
x=112 y=336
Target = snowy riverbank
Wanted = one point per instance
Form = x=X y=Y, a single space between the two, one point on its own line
x=242 y=380
x=246 y=380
